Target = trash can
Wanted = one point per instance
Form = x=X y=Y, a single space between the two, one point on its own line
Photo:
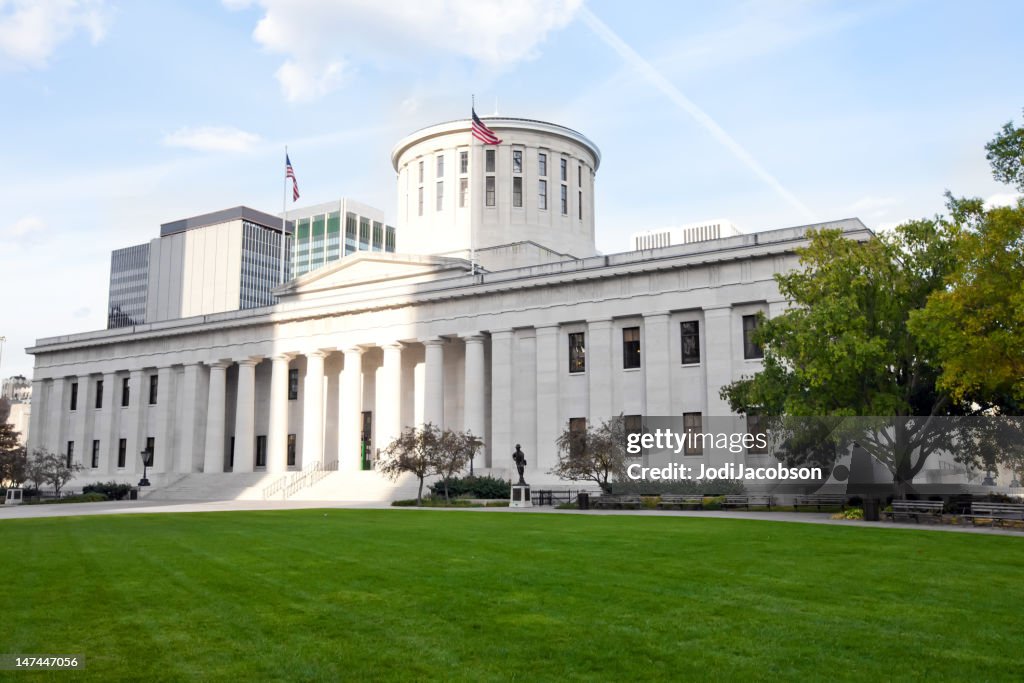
x=583 y=501
x=870 y=509
x=133 y=494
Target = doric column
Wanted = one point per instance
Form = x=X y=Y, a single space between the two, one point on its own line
x=245 y=416
x=108 y=426
x=37 y=424
x=389 y=396
x=433 y=382
x=473 y=394
x=313 y=410
x=501 y=400
x=655 y=361
x=547 y=398
x=193 y=416
x=277 y=427
x=79 y=428
x=214 y=460
x=600 y=361
x=135 y=439
x=718 y=357
x=350 y=419
x=164 y=412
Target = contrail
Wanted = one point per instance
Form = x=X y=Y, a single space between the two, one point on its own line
x=683 y=102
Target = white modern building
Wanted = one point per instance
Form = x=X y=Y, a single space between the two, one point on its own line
x=497 y=316
x=327 y=232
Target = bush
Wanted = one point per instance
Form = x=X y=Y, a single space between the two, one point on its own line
x=718 y=487
x=111 y=489
x=851 y=513
x=713 y=503
x=473 y=487
x=83 y=498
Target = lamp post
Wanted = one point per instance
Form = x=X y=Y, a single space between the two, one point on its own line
x=147 y=460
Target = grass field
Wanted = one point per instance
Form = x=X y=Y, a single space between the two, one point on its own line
x=436 y=595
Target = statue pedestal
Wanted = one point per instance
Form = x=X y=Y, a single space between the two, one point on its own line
x=520 y=497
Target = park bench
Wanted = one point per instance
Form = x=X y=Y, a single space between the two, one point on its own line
x=998 y=513
x=820 y=501
x=745 y=501
x=617 y=503
x=930 y=510
x=680 y=501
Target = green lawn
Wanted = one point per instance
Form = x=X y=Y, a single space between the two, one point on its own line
x=436 y=595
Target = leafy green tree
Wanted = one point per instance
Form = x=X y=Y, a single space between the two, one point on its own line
x=13 y=459
x=1006 y=155
x=597 y=454
x=46 y=467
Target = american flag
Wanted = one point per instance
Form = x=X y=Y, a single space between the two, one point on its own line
x=483 y=133
x=289 y=172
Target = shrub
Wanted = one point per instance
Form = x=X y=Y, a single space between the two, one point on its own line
x=713 y=503
x=111 y=489
x=473 y=487
x=851 y=513
x=83 y=498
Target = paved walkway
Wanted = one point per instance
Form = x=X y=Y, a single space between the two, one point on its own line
x=147 y=507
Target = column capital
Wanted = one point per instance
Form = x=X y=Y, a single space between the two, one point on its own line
x=283 y=357
x=434 y=341
x=547 y=329
x=222 y=364
x=394 y=346
x=475 y=338
x=317 y=353
x=250 y=362
x=354 y=350
x=656 y=314
x=501 y=332
x=718 y=310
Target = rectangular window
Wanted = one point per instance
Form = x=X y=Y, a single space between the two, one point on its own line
x=420 y=202
x=489 y=161
x=291 y=450
x=579 y=176
x=99 y=394
x=421 y=171
x=565 y=200
x=577 y=352
x=578 y=435
x=489 y=195
x=633 y=424
x=579 y=204
x=750 y=348
x=517 y=192
x=70 y=453
x=231 y=453
x=565 y=170
x=125 y=392
x=542 y=164
x=95 y=453
x=293 y=384
x=543 y=194
x=74 y=396
x=689 y=340
x=440 y=165
x=692 y=426
x=440 y=195
x=756 y=428
x=630 y=347
x=153 y=382
x=463 y=192
x=463 y=162
x=122 y=452
x=261 y=450
x=150 y=450
x=517 y=161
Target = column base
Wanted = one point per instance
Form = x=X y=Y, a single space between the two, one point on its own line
x=520 y=497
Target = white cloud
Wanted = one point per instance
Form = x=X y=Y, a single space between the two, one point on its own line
x=24 y=227
x=212 y=139
x=31 y=30
x=322 y=40
x=1003 y=199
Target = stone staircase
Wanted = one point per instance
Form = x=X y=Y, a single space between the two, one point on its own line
x=214 y=486
x=360 y=487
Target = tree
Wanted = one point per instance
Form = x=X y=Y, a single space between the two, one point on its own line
x=1006 y=155
x=428 y=451
x=51 y=468
x=597 y=454
x=844 y=349
x=13 y=459
x=974 y=325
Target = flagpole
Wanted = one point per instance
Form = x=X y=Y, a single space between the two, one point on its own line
x=284 y=215
x=472 y=194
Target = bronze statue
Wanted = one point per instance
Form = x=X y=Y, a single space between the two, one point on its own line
x=520 y=460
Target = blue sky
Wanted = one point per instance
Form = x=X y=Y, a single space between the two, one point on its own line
x=119 y=116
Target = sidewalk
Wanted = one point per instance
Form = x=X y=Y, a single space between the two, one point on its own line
x=153 y=507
